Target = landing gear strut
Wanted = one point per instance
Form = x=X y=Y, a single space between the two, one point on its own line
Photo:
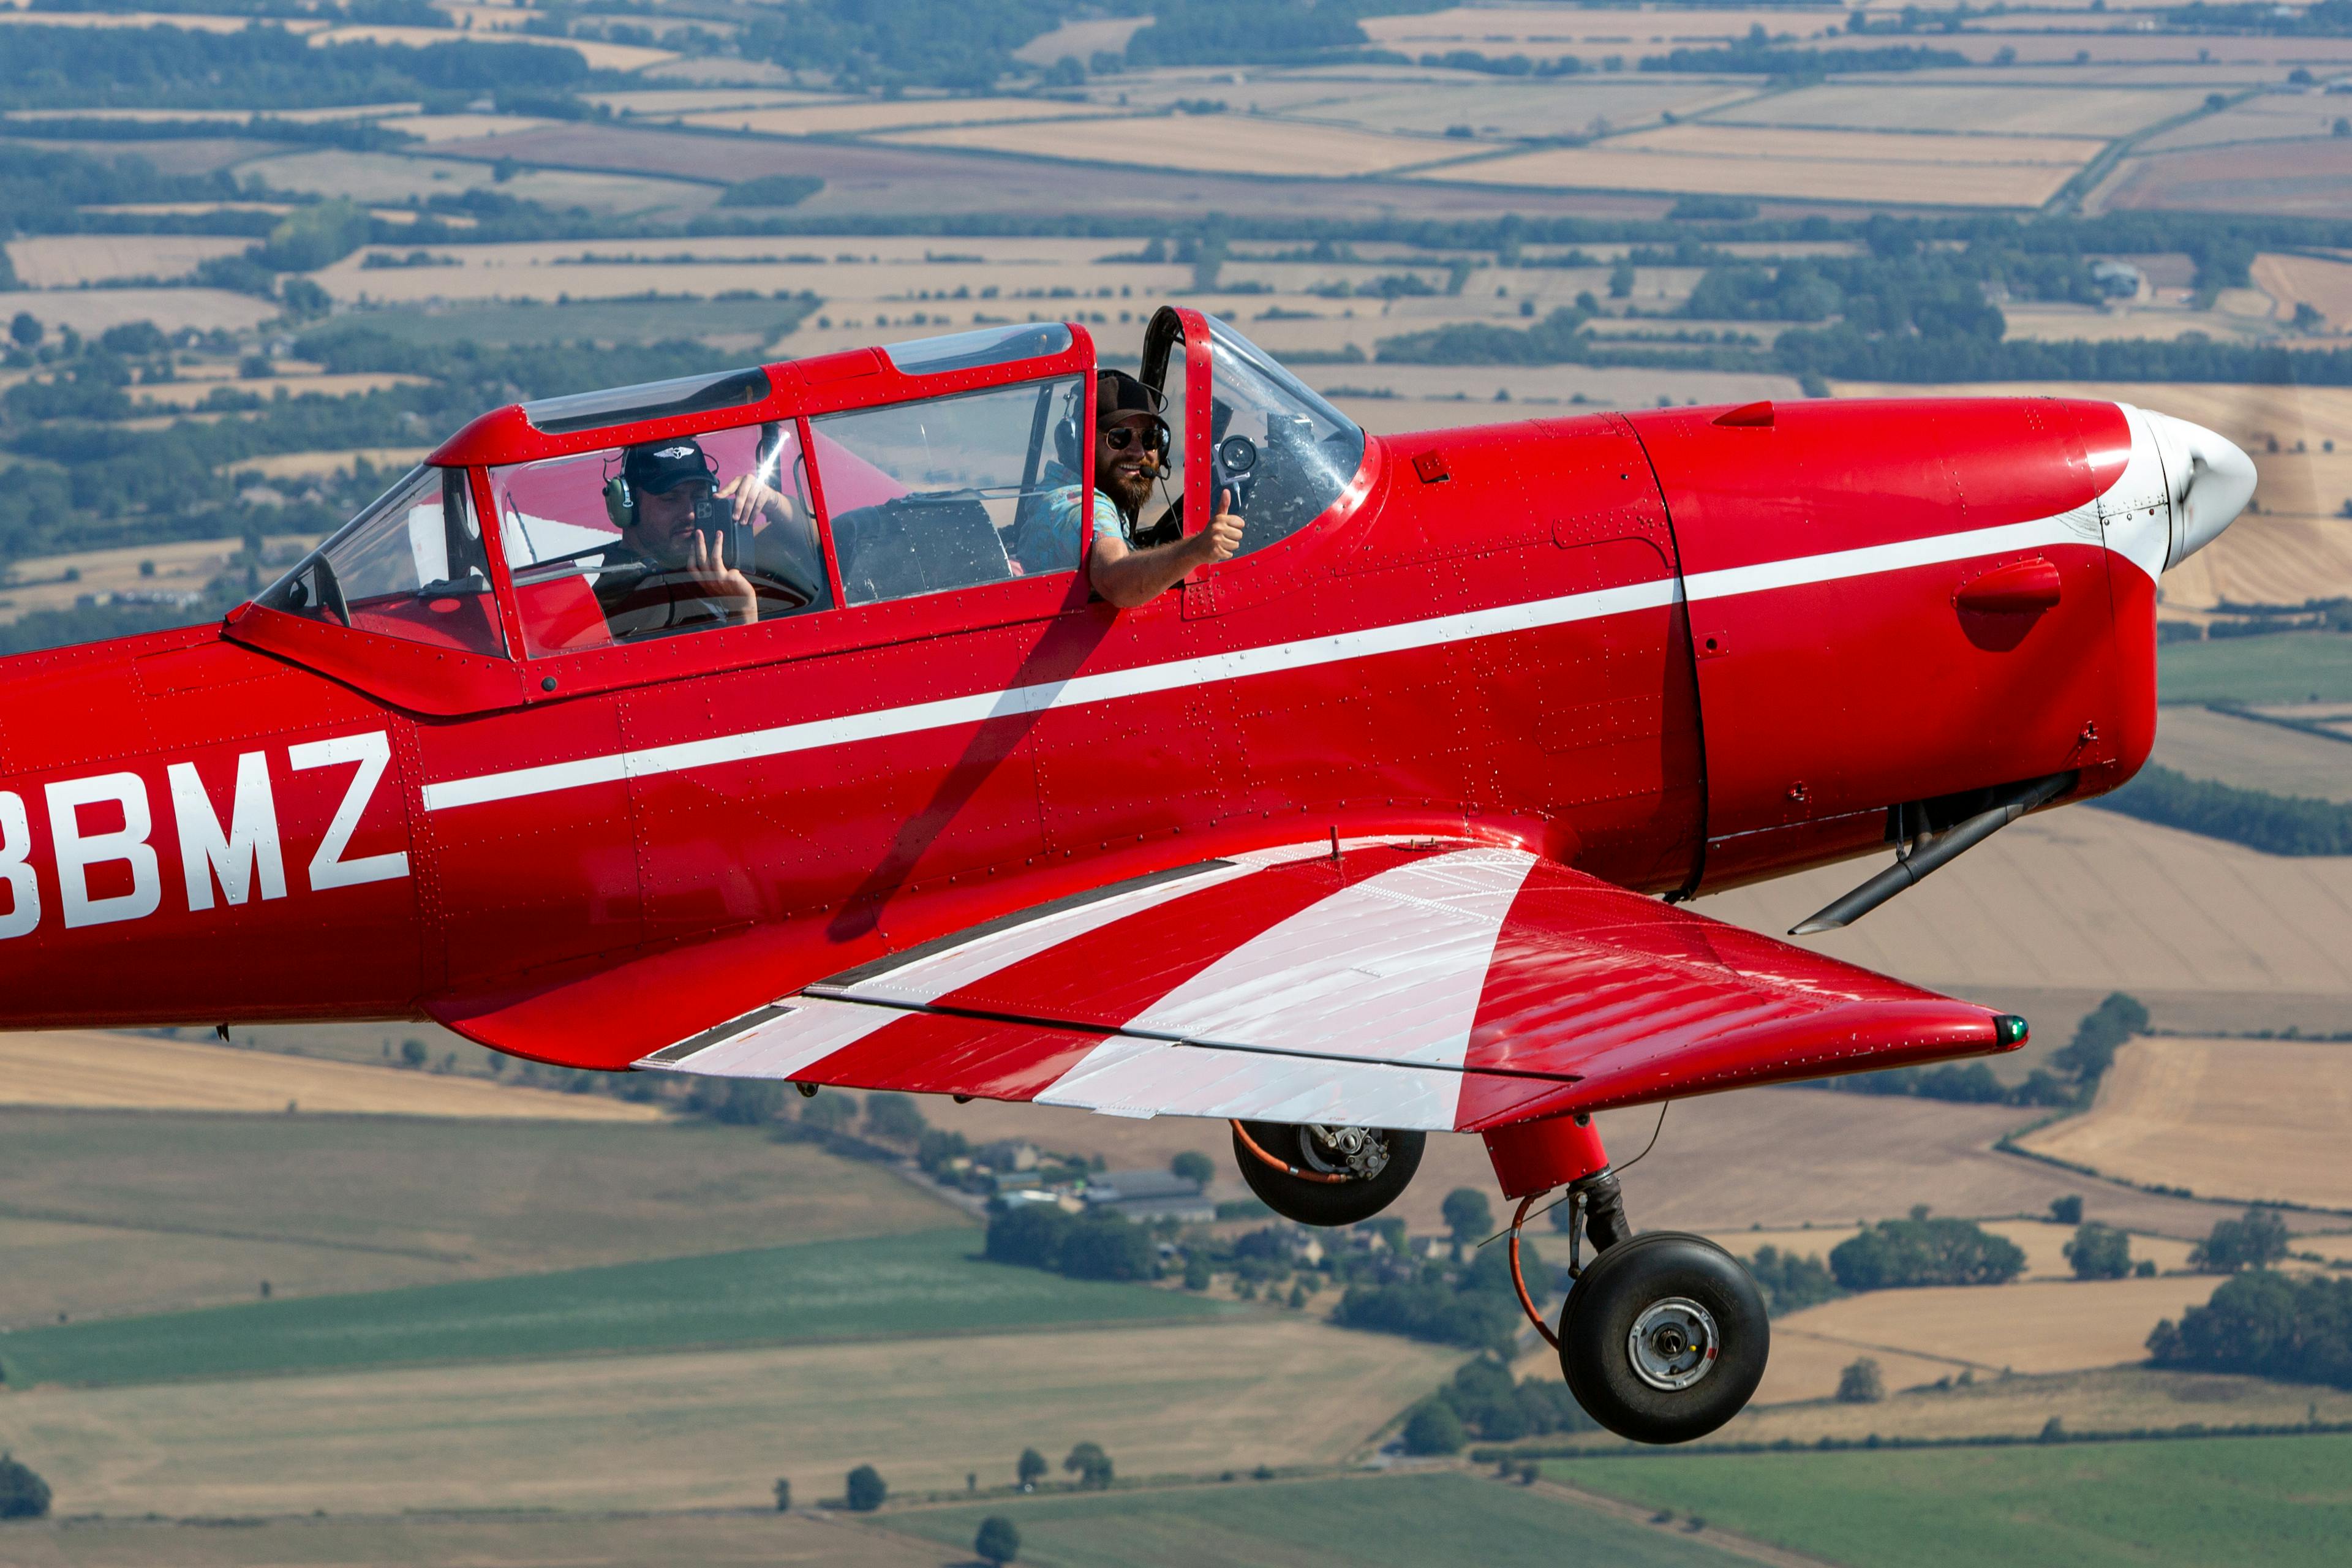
x=1317 y=1175
x=1663 y=1336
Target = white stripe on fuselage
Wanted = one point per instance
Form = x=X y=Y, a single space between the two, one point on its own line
x=1305 y=654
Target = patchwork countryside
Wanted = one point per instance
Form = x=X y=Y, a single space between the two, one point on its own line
x=312 y=1296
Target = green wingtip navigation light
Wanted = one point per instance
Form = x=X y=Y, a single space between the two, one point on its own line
x=2008 y=1029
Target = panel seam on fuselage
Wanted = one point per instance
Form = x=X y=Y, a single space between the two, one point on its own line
x=1306 y=653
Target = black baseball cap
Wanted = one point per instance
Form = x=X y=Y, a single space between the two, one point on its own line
x=658 y=468
x=1117 y=393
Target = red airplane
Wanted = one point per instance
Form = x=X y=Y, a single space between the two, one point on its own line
x=1374 y=830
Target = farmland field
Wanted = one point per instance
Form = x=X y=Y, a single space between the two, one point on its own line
x=2291 y=667
x=2305 y=178
x=841 y=117
x=90 y=312
x=2206 y=744
x=2017 y=111
x=2239 y=1119
x=2325 y=285
x=1220 y=144
x=2089 y=899
x=65 y=261
x=1958 y=179
x=393 y=177
x=182 y=566
x=862 y=1288
x=733 y=1540
x=1401 y=1522
x=394 y=460
x=2041 y=1326
x=461 y=1198
x=86 y=1069
x=2283 y=1500
x=714 y=1430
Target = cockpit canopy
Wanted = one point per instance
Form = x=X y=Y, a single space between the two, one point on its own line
x=730 y=502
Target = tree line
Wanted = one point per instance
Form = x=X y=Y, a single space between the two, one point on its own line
x=2273 y=824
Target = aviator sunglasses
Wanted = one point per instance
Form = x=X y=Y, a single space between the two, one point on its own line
x=1154 y=438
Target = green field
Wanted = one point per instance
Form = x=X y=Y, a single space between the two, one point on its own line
x=375 y=1200
x=924 y=1283
x=2280 y=1502
x=2287 y=666
x=1397 y=1522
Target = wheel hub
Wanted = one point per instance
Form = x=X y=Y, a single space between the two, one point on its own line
x=1361 y=1152
x=1672 y=1343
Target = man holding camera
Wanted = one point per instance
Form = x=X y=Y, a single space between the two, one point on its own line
x=672 y=571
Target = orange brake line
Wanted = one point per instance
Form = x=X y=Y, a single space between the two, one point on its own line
x=1518 y=1280
x=1328 y=1179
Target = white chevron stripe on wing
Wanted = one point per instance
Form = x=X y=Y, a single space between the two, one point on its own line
x=1361 y=995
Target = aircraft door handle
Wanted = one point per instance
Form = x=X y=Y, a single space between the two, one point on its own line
x=2019 y=588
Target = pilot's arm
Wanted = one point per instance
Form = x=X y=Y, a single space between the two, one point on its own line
x=1129 y=578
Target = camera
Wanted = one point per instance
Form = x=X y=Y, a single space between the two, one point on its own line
x=715 y=516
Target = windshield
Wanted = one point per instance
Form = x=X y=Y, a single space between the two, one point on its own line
x=1283 y=451
x=410 y=566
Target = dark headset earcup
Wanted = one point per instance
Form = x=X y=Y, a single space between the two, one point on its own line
x=1066 y=443
x=620 y=506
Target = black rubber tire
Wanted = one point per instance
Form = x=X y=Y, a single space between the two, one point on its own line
x=1621 y=1284
x=1324 y=1202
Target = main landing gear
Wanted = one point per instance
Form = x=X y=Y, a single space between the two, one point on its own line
x=1662 y=1338
x=1664 y=1335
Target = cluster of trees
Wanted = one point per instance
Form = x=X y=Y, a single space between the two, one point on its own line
x=1482 y=1400
x=2267 y=1324
x=1755 y=56
x=2275 y=824
x=1095 y=1244
x=1791 y=1283
x=2102 y=1252
x=164 y=67
x=1896 y=1253
x=2256 y=1241
x=2329 y=19
x=1472 y=1305
x=23 y=1494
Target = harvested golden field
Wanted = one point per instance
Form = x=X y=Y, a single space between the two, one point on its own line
x=2205 y=744
x=307 y=465
x=68 y=261
x=322 y=1204
x=343 y=384
x=2325 y=285
x=1082 y=40
x=432 y=128
x=86 y=1068
x=2266 y=117
x=182 y=566
x=1862 y=146
x=2088 y=899
x=806 y=1538
x=1949 y=181
x=840 y=118
x=220 y=116
x=667 y=104
x=194 y=22
x=2019 y=110
x=2297 y=547
x=2032 y=1327
x=2110 y=1400
x=1549 y=33
x=90 y=312
x=599 y=55
x=714 y=1430
x=388 y=177
x=1213 y=143
x=2234 y=1119
x=2160 y=323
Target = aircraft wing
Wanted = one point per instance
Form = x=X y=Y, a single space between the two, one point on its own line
x=1378 y=983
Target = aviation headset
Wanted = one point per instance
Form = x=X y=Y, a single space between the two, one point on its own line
x=621 y=496
x=1065 y=429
